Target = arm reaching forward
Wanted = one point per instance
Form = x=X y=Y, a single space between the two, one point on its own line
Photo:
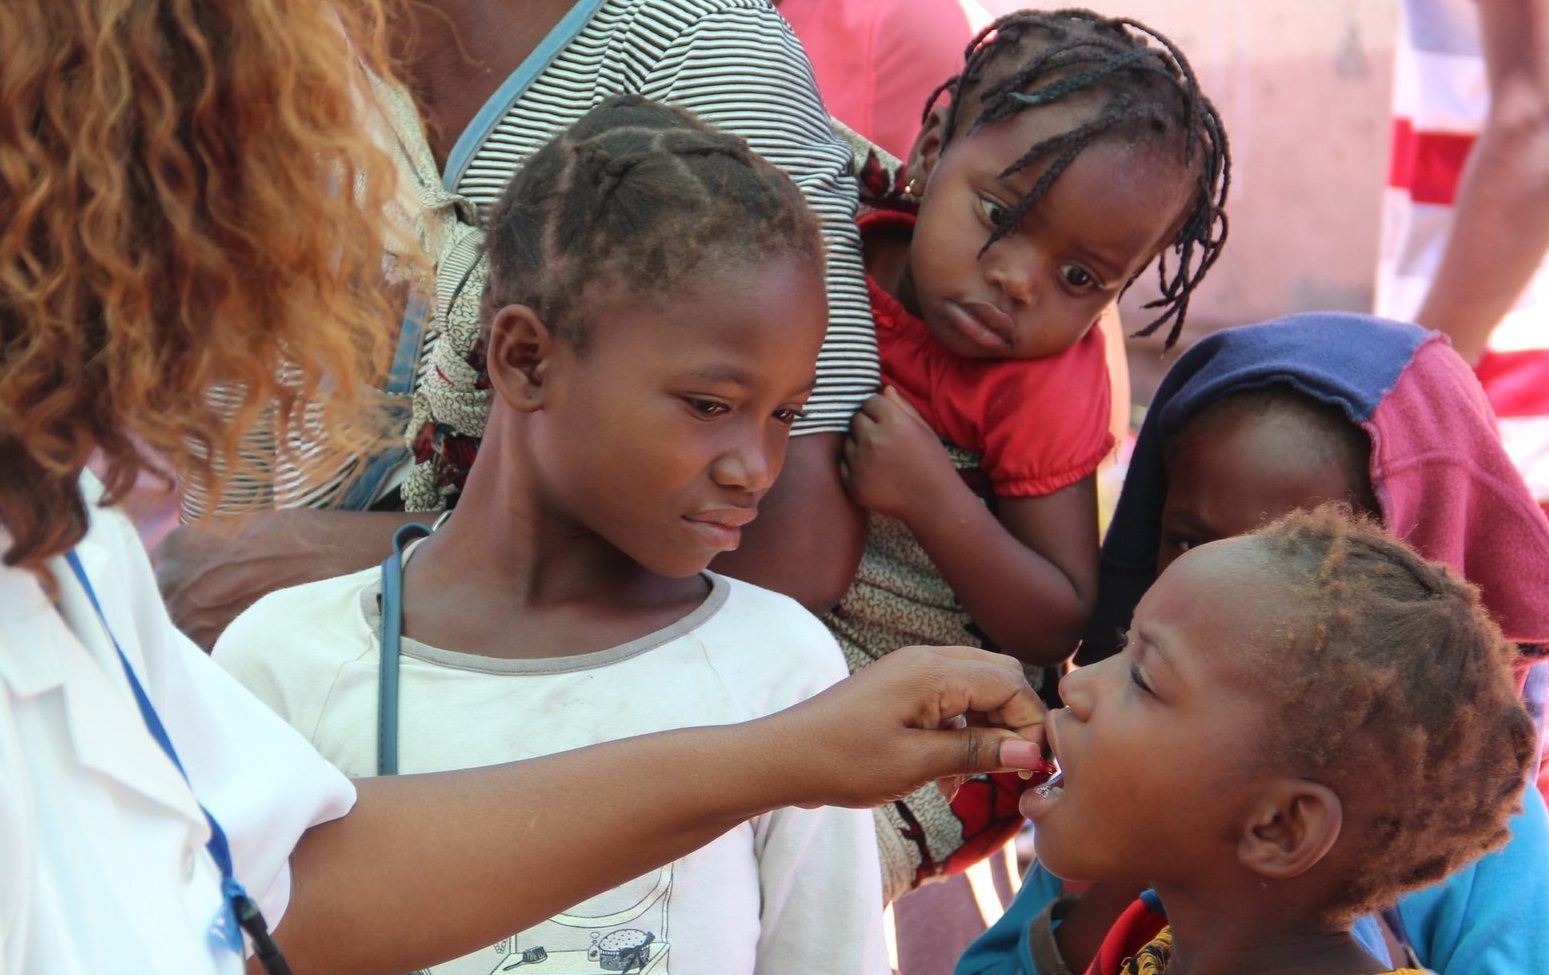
x=376 y=891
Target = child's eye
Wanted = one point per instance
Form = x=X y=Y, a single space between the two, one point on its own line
x=707 y=407
x=1078 y=277
x=992 y=209
x=1139 y=679
x=789 y=416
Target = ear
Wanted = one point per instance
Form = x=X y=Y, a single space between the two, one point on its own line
x=520 y=356
x=1292 y=828
x=926 y=151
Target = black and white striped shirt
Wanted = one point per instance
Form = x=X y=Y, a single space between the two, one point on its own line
x=737 y=65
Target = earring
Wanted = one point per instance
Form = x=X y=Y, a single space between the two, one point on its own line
x=912 y=188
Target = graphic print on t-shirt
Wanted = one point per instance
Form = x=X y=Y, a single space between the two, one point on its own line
x=621 y=930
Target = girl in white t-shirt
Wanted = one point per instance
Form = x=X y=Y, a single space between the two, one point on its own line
x=655 y=309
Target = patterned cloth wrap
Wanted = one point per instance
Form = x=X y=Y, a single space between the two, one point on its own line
x=1151 y=959
x=880 y=175
x=1141 y=942
x=899 y=599
x=452 y=394
x=1154 y=956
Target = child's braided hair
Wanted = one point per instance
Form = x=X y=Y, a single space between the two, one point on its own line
x=1396 y=692
x=1035 y=58
x=637 y=199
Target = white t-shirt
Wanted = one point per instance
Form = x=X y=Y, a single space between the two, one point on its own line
x=103 y=866
x=793 y=891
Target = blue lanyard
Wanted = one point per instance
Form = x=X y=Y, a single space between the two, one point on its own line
x=239 y=913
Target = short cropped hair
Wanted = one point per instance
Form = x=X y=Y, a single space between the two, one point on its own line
x=1395 y=691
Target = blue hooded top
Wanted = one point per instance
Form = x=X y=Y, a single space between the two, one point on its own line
x=1438 y=470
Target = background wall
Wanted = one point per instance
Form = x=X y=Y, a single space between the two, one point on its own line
x=1303 y=87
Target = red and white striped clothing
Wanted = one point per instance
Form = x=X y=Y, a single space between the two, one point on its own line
x=1440 y=102
x=1440 y=98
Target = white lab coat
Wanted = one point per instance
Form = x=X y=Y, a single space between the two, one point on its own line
x=103 y=866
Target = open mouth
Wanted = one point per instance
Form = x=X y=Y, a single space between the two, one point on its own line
x=1036 y=799
x=1053 y=787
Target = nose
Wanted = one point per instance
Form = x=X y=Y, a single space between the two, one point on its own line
x=750 y=464
x=1012 y=271
x=1077 y=688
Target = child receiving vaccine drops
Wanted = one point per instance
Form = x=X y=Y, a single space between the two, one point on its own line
x=1257 y=421
x=654 y=312
x=1068 y=156
x=1305 y=723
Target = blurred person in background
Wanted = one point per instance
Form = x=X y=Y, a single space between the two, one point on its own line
x=1466 y=212
x=877 y=61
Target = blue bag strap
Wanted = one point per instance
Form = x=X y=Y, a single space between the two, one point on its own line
x=406 y=355
x=392 y=644
x=242 y=907
x=400 y=384
x=516 y=84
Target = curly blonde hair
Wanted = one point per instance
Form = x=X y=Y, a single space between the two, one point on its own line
x=188 y=197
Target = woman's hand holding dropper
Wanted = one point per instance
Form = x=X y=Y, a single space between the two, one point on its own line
x=894 y=725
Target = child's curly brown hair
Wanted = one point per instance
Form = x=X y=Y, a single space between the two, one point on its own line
x=1395 y=686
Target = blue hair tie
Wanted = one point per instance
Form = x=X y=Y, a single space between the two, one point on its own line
x=1065 y=86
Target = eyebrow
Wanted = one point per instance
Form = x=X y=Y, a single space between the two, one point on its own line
x=733 y=375
x=1157 y=646
x=722 y=374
